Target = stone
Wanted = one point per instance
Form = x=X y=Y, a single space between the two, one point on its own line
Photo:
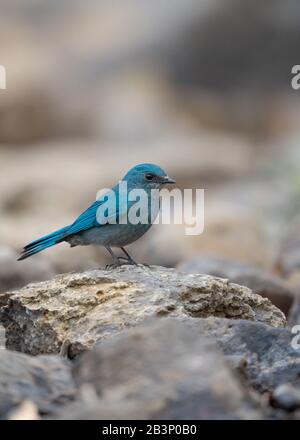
x=263 y=354
x=260 y=281
x=294 y=315
x=84 y=308
x=162 y=369
x=27 y=410
x=288 y=260
x=45 y=381
x=286 y=397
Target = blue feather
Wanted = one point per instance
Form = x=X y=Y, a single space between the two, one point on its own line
x=43 y=243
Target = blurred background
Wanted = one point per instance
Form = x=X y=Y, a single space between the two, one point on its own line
x=200 y=87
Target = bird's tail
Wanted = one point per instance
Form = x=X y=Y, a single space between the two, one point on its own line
x=43 y=243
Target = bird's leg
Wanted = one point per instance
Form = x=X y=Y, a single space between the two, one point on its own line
x=129 y=258
x=116 y=261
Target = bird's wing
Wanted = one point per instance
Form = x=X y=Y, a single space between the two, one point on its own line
x=87 y=220
x=92 y=218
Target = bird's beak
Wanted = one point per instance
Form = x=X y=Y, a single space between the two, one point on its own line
x=168 y=179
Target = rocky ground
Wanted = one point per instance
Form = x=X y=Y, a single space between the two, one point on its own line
x=148 y=343
x=207 y=332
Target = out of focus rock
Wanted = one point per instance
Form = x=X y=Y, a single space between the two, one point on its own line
x=102 y=39
x=25 y=411
x=23 y=122
x=46 y=381
x=266 y=356
x=87 y=307
x=15 y=274
x=260 y=281
x=49 y=101
x=294 y=315
x=161 y=370
x=286 y=397
x=230 y=31
x=288 y=262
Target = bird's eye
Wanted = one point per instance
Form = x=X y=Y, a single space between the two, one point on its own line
x=149 y=176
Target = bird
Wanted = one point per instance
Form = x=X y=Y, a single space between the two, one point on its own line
x=92 y=227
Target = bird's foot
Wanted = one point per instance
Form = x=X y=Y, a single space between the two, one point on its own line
x=119 y=261
x=112 y=266
x=127 y=261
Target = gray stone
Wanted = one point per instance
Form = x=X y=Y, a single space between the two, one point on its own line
x=265 y=356
x=82 y=309
x=44 y=380
x=286 y=397
x=162 y=369
x=294 y=315
x=260 y=281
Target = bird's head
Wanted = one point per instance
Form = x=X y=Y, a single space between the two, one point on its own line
x=147 y=175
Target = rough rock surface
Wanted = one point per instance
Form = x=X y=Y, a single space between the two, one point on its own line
x=162 y=369
x=260 y=281
x=46 y=381
x=80 y=309
x=265 y=355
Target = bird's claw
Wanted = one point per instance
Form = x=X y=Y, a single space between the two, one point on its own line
x=120 y=261
x=112 y=266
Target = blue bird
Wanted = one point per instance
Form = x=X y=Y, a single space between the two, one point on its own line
x=107 y=221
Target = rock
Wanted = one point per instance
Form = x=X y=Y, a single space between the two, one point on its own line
x=13 y=274
x=288 y=260
x=26 y=411
x=162 y=369
x=265 y=355
x=4 y=298
x=2 y=337
x=294 y=315
x=260 y=281
x=288 y=263
x=82 y=309
x=45 y=381
x=286 y=397
x=192 y=63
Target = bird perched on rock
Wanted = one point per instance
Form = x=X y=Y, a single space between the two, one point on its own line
x=114 y=220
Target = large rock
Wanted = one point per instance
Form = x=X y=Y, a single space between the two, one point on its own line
x=46 y=381
x=266 y=355
x=163 y=369
x=260 y=281
x=80 y=309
